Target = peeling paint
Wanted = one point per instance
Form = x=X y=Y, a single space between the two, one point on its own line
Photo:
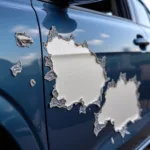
x=121 y=105
x=16 y=69
x=48 y=61
x=80 y=75
x=23 y=40
x=124 y=132
x=32 y=82
x=82 y=109
x=51 y=75
x=98 y=127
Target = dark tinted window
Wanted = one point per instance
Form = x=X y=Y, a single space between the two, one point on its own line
x=109 y=7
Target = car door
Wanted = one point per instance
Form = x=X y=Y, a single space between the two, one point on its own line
x=95 y=97
x=21 y=88
x=143 y=21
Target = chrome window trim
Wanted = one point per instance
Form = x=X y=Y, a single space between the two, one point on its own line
x=144 y=144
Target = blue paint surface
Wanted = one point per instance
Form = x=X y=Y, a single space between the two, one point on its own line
x=28 y=102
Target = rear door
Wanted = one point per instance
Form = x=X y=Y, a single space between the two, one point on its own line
x=95 y=96
x=143 y=19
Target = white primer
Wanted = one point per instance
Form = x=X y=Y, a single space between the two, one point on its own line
x=80 y=78
x=121 y=105
x=32 y=82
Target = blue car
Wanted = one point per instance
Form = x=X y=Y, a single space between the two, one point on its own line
x=74 y=74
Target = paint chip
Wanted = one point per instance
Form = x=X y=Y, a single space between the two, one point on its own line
x=16 y=69
x=79 y=74
x=32 y=82
x=51 y=75
x=48 y=61
x=23 y=40
x=121 y=105
x=98 y=128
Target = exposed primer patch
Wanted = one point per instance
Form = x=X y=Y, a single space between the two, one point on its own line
x=112 y=140
x=121 y=105
x=32 y=82
x=51 y=75
x=23 y=40
x=80 y=75
x=16 y=69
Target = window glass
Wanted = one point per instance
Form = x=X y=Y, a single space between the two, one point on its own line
x=147 y=3
x=142 y=13
x=109 y=7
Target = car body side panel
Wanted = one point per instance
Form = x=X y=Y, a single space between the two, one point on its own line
x=18 y=16
x=15 y=123
x=107 y=36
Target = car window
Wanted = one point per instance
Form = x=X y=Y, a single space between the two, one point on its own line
x=109 y=7
x=142 y=13
x=147 y=3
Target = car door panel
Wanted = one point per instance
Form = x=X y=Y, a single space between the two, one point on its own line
x=107 y=36
x=26 y=110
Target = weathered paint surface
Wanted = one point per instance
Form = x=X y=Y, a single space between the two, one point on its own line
x=23 y=40
x=78 y=73
x=121 y=106
x=80 y=78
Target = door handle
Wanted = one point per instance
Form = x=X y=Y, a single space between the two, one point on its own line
x=141 y=42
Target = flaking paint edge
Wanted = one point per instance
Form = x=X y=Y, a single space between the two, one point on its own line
x=16 y=69
x=99 y=127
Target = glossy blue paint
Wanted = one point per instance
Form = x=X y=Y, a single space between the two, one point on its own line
x=107 y=36
x=24 y=118
x=15 y=122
